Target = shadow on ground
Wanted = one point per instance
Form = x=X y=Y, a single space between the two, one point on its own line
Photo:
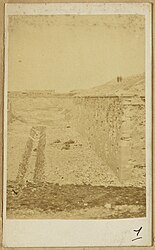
x=47 y=197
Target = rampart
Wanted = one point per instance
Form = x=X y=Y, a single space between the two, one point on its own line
x=115 y=128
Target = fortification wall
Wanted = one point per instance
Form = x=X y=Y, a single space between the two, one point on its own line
x=132 y=143
x=98 y=120
x=115 y=128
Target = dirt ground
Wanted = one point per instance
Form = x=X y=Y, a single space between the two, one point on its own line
x=53 y=173
x=75 y=201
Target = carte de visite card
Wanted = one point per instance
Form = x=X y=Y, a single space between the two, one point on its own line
x=77 y=125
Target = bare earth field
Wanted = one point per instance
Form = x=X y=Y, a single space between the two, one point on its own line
x=54 y=173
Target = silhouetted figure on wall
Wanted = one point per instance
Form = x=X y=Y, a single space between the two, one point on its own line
x=119 y=78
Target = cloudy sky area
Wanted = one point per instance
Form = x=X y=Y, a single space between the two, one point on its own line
x=73 y=52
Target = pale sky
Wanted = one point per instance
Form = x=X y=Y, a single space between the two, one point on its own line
x=73 y=52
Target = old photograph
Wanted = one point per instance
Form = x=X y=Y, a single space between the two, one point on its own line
x=76 y=117
x=77 y=125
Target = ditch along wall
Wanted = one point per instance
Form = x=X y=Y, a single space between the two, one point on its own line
x=115 y=128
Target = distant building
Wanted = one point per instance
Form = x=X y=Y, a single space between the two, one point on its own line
x=31 y=93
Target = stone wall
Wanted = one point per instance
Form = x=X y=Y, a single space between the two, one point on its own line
x=133 y=137
x=115 y=128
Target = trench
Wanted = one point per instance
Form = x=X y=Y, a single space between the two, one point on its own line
x=39 y=194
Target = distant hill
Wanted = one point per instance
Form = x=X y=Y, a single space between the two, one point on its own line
x=133 y=85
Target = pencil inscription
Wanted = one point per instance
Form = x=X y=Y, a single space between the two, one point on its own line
x=137 y=233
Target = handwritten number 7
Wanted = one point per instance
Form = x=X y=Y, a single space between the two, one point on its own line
x=137 y=231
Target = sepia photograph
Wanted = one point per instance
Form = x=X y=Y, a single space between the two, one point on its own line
x=76 y=90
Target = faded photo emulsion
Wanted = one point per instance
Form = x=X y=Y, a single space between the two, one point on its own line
x=76 y=116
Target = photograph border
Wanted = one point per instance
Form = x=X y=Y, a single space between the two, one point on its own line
x=147 y=144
